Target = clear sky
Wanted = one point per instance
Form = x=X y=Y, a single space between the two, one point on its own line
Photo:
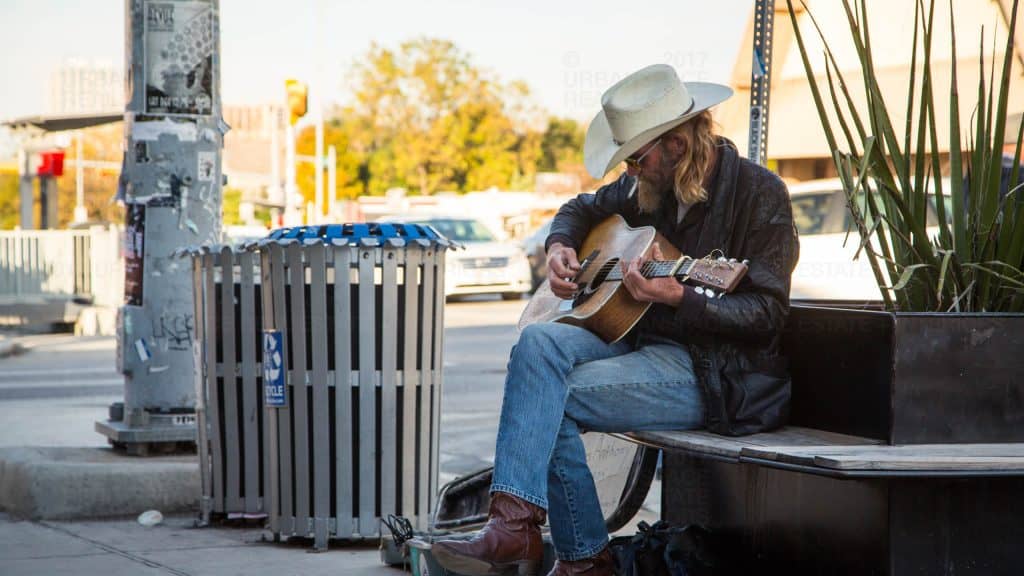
x=566 y=51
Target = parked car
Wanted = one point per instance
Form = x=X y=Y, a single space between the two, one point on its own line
x=828 y=242
x=486 y=265
x=538 y=258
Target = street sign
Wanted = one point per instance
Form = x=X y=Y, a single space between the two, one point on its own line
x=273 y=369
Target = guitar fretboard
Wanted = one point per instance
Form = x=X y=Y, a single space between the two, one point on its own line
x=651 y=269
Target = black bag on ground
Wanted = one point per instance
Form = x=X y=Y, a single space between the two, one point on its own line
x=664 y=550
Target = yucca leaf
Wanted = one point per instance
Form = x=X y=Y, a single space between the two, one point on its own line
x=907 y=274
x=946 y=256
x=912 y=86
x=956 y=174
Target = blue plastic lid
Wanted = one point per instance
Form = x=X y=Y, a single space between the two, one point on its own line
x=360 y=233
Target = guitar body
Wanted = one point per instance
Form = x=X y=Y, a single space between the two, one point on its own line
x=606 y=308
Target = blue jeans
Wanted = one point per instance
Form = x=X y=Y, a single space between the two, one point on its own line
x=563 y=380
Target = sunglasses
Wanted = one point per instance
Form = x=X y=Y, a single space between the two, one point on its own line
x=635 y=162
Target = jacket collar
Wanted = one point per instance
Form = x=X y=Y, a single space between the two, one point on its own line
x=717 y=228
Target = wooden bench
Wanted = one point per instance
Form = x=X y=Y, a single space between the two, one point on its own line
x=807 y=501
x=890 y=467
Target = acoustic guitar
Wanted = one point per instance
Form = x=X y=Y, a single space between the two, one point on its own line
x=602 y=304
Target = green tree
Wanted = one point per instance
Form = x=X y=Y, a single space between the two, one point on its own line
x=561 y=146
x=424 y=117
x=9 y=201
x=349 y=182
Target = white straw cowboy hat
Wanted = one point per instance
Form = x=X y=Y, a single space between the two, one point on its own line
x=641 y=107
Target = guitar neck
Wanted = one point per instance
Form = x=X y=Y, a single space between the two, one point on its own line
x=655 y=269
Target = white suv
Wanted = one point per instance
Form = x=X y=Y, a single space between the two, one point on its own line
x=826 y=269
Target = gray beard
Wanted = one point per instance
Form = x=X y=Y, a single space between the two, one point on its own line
x=650 y=196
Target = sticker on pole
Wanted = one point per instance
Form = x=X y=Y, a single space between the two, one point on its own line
x=273 y=369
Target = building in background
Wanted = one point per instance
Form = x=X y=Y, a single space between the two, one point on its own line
x=81 y=86
x=249 y=157
x=797 y=149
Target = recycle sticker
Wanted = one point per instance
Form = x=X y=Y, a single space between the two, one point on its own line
x=273 y=369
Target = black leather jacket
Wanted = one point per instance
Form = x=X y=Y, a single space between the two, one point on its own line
x=734 y=341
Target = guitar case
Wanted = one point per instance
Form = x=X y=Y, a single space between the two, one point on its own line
x=622 y=472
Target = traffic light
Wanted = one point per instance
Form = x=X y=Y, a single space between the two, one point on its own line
x=298 y=94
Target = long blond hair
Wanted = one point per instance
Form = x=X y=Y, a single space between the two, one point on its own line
x=698 y=140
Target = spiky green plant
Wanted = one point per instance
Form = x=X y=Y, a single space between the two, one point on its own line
x=974 y=262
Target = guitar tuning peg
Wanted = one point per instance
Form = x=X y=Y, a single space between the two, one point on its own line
x=746 y=262
x=722 y=259
x=709 y=293
x=732 y=260
x=720 y=294
x=699 y=289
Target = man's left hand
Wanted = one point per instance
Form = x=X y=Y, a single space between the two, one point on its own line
x=660 y=290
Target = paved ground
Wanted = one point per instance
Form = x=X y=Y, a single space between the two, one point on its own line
x=113 y=548
x=51 y=394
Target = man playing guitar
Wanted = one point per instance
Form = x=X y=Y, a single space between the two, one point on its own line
x=690 y=362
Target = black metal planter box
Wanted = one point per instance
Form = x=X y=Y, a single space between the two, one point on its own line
x=907 y=378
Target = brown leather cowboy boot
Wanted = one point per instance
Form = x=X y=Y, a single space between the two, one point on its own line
x=601 y=564
x=510 y=543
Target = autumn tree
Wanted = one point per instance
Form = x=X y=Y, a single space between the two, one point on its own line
x=425 y=118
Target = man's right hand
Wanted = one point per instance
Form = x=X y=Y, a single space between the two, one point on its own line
x=562 y=266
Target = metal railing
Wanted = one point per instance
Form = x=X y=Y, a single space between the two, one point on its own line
x=39 y=264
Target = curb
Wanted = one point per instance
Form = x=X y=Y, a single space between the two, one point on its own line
x=44 y=483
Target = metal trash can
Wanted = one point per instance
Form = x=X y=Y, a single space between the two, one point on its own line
x=357 y=372
x=232 y=438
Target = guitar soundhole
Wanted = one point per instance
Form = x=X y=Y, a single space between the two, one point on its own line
x=601 y=275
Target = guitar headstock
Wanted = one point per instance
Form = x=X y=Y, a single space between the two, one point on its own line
x=720 y=275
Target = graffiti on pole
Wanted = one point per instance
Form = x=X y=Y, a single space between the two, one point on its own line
x=179 y=43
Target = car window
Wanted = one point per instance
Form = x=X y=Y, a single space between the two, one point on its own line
x=818 y=213
x=463 y=230
x=931 y=217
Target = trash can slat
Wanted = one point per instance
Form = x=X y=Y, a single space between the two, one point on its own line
x=343 y=390
x=232 y=499
x=250 y=389
x=271 y=483
x=438 y=371
x=299 y=388
x=320 y=408
x=410 y=382
x=209 y=272
x=367 y=393
x=426 y=385
x=285 y=509
x=389 y=361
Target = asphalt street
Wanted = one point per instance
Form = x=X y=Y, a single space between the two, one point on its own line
x=51 y=394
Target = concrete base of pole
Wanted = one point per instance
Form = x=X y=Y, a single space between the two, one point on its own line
x=76 y=483
x=142 y=433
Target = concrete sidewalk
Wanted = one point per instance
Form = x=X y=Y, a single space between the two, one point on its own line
x=114 y=547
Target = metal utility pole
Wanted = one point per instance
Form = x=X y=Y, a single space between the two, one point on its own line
x=26 y=178
x=761 y=81
x=171 y=187
x=81 y=214
x=332 y=181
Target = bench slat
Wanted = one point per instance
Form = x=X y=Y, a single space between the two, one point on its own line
x=706 y=443
x=828 y=450
x=908 y=457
